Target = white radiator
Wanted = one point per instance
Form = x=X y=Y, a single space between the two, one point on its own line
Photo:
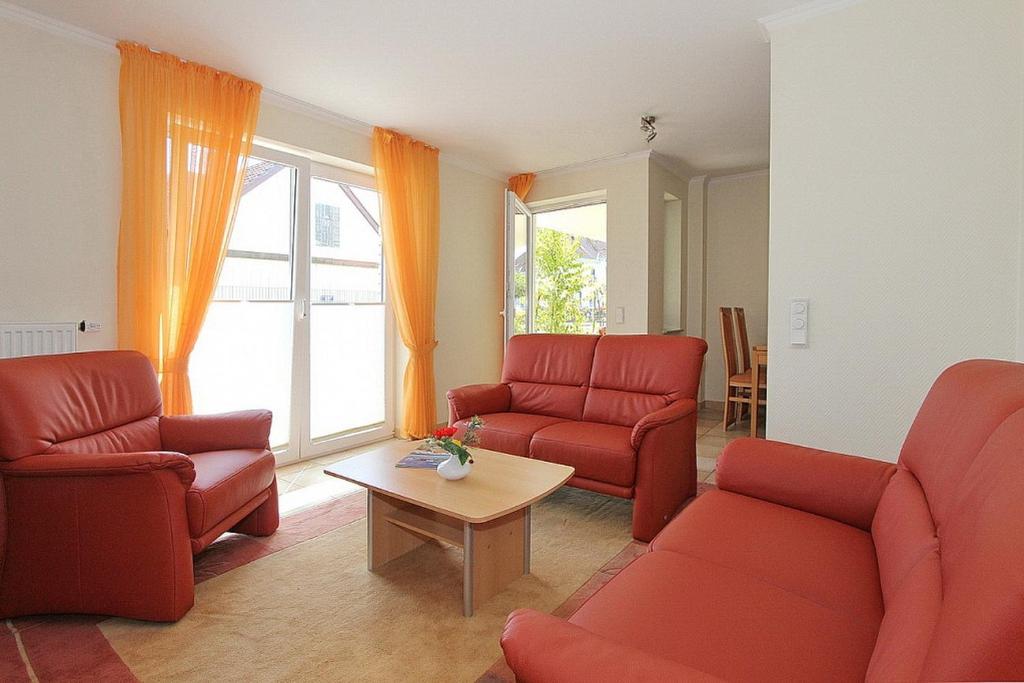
x=37 y=339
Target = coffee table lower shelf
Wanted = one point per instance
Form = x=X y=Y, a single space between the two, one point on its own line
x=495 y=553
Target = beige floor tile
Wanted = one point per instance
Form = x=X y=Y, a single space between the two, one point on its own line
x=709 y=478
x=705 y=451
x=706 y=463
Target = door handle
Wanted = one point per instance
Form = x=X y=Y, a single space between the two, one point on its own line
x=303 y=308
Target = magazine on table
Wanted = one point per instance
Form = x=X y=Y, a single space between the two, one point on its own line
x=423 y=459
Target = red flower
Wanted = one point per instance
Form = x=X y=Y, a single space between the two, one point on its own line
x=445 y=432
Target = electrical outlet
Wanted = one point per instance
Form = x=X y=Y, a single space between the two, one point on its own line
x=799 y=310
x=90 y=326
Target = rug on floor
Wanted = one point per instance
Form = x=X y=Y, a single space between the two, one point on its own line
x=301 y=604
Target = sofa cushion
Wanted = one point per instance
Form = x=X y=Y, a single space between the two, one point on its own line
x=819 y=559
x=225 y=481
x=547 y=374
x=634 y=375
x=49 y=400
x=726 y=622
x=598 y=451
x=510 y=432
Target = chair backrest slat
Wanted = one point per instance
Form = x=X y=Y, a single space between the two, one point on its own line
x=728 y=341
x=741 y=328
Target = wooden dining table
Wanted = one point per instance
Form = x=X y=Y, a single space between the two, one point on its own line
x=758 y=360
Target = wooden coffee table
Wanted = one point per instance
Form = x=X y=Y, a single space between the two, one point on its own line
x=487 y=514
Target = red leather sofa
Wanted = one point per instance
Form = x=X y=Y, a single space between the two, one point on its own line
x=621 y=409
x=809 y=565
x=103 y=500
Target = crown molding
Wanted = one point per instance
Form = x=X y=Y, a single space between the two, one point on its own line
x=738 y=176
x=289 y=103
x=63 y=29
x=601 y=162
x=55 y=27
x=800 y=13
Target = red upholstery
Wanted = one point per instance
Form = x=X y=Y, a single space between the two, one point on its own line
x=100 y=507
x=597 y=451
x=810 y=565
x=548 y=374
x=620 y=409
x=510 y=432
x=839 y=569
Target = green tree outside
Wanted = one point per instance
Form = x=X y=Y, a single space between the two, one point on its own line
x=560 y=278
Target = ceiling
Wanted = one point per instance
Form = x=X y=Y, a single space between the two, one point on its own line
x=513 y=86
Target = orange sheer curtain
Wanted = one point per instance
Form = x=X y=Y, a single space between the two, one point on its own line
x=186 y=130
x=521 y=184
x=407 y=179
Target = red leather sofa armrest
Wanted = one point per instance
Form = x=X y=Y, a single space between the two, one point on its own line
x=225 y=431
x=676 y=410
x=100 y=464
x=845 y=488
x=477 y=399
x=96 y=533
x=541 y=648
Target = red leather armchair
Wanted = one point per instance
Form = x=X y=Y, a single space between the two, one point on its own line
x=103 y=500
x=620 y=409
x=811 y=565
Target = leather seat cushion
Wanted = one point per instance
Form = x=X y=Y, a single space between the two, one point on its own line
x=601 y=452
x=225 y=481
x=510 y=432
x=821 y=560
x=726 y=622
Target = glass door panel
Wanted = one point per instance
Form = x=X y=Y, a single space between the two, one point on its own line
x=243 y=357
x=348 y=347
x=518 y=266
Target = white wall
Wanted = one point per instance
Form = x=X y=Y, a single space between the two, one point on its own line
x=60 y=203
x=665 y=227
x=60 y=182
x=736 y=254
x=896 y=209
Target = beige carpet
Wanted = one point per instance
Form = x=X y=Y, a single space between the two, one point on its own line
x=313 y=610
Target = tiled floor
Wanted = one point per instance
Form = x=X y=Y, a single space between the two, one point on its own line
x=303 y=484
x=711 y=440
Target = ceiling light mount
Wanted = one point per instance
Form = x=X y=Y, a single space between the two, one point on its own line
x=647 y=126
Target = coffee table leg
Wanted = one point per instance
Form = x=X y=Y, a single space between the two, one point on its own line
x=526 y=539
x=385 y=541
x=468 y=562
x=496 y=553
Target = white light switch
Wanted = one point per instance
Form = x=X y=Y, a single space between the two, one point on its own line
x=798 y=315
x=620 y=315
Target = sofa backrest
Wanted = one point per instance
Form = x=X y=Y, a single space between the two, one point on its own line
x=615 y=379
x=92 y=402
x=634 y=375
x=949 y=533
x=547 y=374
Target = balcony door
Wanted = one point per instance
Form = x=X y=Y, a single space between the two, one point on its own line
x=299 y=322
x=556 y=265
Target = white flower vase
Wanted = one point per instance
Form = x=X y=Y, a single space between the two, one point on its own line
x=451 y=469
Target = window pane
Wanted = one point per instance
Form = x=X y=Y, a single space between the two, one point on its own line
x=570 y=270
x=243 y=357
x=258 y=266
x=347 y=317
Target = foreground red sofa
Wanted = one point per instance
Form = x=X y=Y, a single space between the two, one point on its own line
x=621 y=409
x=809 y=565
x=103 y=501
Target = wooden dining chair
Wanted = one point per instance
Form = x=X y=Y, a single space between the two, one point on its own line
x=737 y=383
x=741 y=331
